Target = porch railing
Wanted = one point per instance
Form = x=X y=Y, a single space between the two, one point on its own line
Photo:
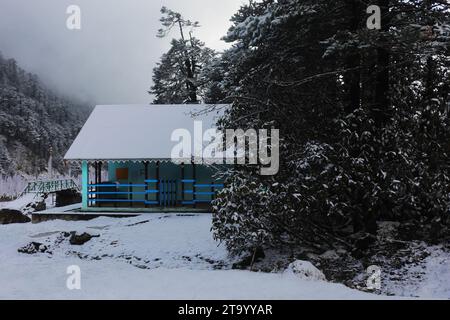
x=213 y=188
x=164 y=191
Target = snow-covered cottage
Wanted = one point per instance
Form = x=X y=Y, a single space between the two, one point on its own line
x=125 y=155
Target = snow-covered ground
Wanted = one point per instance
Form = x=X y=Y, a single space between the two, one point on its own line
x=19 y=203
x=27 y=203
x=157 y=256
x=429 y=279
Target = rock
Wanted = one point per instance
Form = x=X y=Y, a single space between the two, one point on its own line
x=330 y=254
x=78 y=240
x=305 y=270
x=33 y=247
x=39 y=206
x=8 y=216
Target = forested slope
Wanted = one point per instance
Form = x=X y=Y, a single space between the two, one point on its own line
x=33 y=119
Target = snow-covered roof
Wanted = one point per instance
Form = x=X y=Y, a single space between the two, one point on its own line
x=137 y=132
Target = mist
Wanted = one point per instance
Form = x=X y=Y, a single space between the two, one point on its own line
x=110 y=60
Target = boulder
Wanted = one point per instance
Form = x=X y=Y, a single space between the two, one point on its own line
x=33 y=247
x=305 y=270
x=8 y=216
x=78 y=240
x=39 y=206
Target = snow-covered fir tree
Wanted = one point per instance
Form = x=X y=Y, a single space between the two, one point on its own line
x=363 y=117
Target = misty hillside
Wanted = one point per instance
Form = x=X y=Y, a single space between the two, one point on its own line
x=33 y=119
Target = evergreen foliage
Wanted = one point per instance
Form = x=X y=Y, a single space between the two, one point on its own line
x=363 y=116
x=176 y=78
x=33 y=119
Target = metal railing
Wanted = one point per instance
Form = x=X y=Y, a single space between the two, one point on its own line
x=50 y=186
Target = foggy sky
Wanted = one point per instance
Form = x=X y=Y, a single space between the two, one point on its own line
x=110 y=60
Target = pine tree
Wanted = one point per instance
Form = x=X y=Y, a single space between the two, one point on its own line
x=176 y=76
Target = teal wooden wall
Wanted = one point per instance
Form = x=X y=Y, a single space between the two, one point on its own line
x=168 y=171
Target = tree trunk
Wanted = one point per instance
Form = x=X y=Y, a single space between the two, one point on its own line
x=191 y=87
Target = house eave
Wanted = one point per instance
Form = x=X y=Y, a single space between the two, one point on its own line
x=93 y=160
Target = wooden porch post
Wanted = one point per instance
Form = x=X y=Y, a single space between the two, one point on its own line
x=130 y=190
x=146 y=184
x=95 y=172
x=157 y=178
x=96 y=180
x=100 y=172
x=194 y=189
x=85 y=184
x=99 y=179
x=182 y=183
